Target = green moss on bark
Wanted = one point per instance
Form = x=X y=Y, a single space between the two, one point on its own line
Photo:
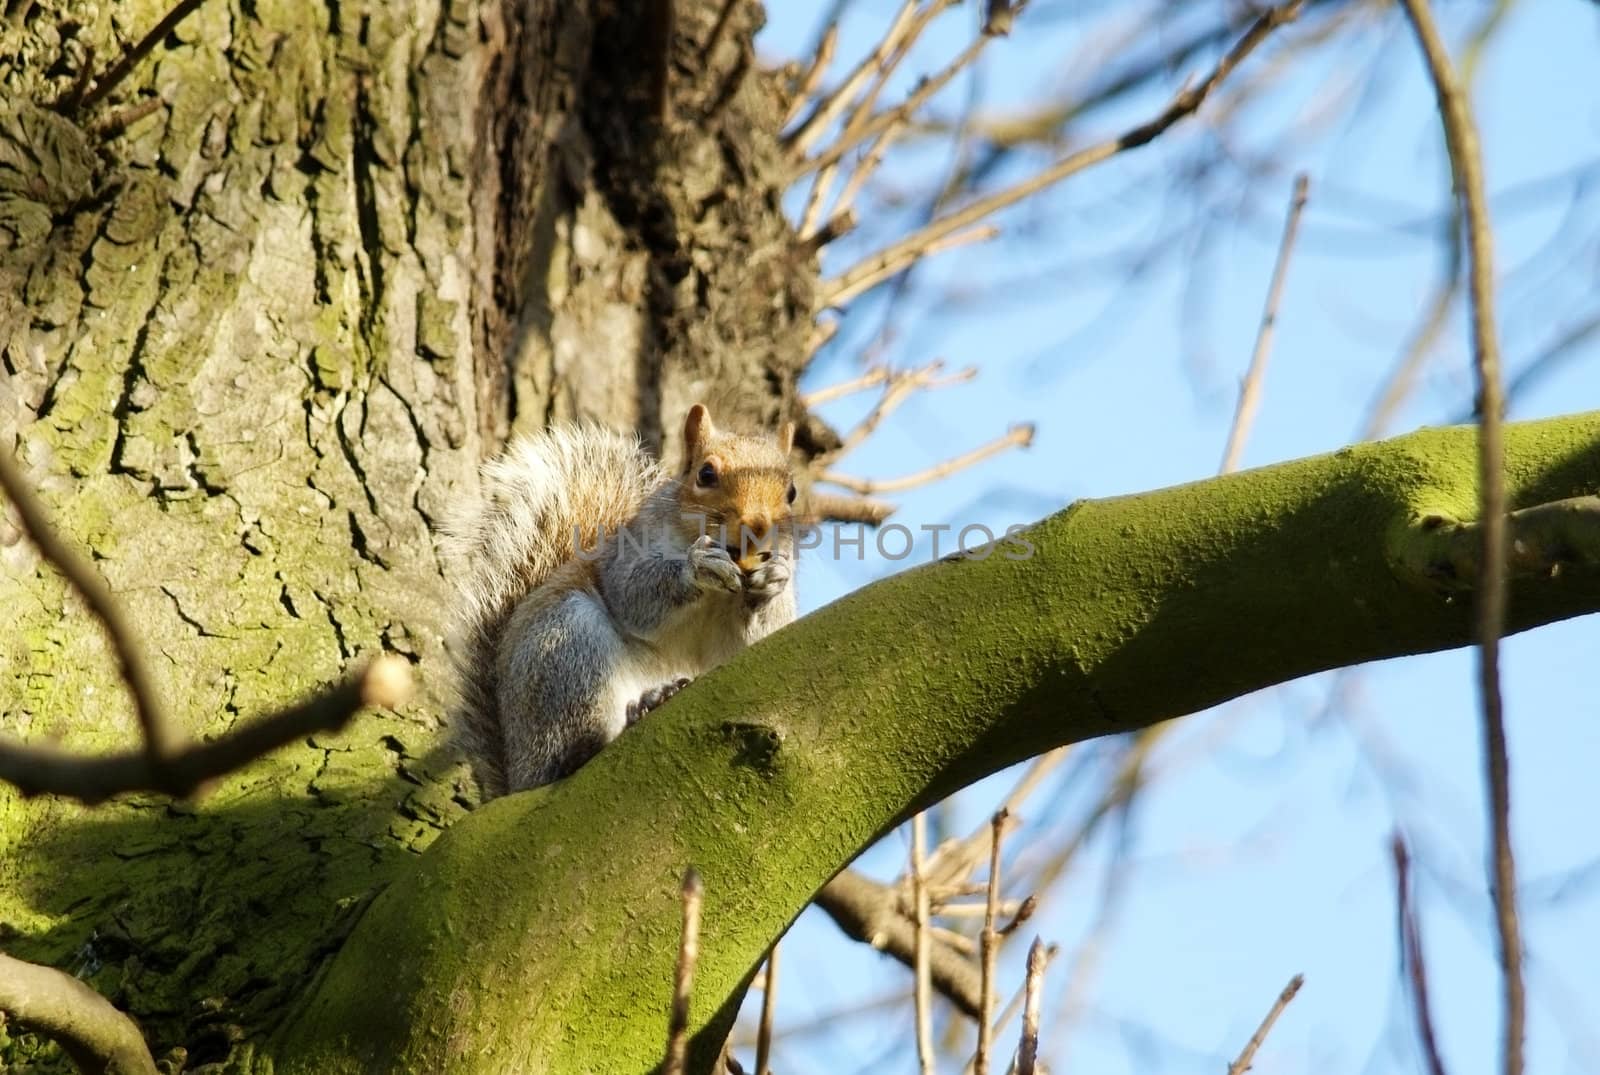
x=540 y=932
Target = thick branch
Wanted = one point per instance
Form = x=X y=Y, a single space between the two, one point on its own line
x=97 y=1037
x=869 y=912
x=772 y=772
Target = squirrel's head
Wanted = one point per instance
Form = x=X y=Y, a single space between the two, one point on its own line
x=739 y=483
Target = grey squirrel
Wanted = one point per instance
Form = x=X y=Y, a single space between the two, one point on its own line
x=592 y=584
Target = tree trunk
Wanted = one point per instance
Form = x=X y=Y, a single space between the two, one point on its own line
x=256 y=341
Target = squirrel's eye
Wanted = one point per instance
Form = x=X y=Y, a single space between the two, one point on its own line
x=792 y=492
x=707 y=476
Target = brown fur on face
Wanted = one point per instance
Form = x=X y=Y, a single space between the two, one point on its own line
x=740 y=486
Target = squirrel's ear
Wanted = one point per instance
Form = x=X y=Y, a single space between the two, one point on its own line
x=697 y=429
x=786 y=438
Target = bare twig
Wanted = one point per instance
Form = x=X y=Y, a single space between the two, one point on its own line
x=868 y=164
x=718 y=28
x=34 y=770
x=1185 y=103
x=862 y=127
x=850 y=509
x=769 y=1006
x=122 y=119
x=1250 y=387
x=834 y=228
x=683 y=980
x=813 y=77
x=871 y=379
x=924 y=990
x=1411 y=965
x=816 y=201
x=1025 y=912
x=129 y=59
x=1461 y=140
x=92 y=1032
x=159 y=740
x=68 y=102
x=989 y=941
x=803 y=137
x=899 y=48
x=1013 y=1006
x=821 y=333
x=1248 y=1054
x=1019 y=436
x=900 y=388
x=1028 y=1048
x=870 y=272
x=1402 y=379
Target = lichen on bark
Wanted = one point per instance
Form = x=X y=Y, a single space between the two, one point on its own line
x=255 y=343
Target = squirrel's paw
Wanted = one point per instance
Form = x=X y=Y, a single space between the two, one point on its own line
x=711 y=567
x=654 y=698
x=768 y=580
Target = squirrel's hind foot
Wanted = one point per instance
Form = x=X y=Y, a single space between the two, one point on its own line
x=654 y=698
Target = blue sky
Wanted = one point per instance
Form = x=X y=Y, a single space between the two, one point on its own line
x=1263 y=849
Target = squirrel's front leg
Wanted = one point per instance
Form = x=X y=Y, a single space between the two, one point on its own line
x=770 y=578
x=711 y=568
x=647 y=593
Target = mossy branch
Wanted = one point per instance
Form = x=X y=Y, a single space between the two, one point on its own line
x=539 y=934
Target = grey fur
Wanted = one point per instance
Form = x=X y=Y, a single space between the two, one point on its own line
x=546 y=679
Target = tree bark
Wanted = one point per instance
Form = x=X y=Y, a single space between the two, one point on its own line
x=256 y=341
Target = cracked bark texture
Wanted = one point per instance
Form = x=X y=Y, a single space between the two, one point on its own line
x=254 y=343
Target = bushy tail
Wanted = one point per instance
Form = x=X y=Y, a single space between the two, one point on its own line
x=567 y=483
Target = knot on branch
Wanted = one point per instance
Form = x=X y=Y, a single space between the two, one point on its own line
x=1542 y=542
x=755 y=746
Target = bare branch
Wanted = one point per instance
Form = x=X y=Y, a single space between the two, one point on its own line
x=1248 y=1054
x=989 y=942
x=93 y=1033
x=871 y=379
x=159 y=741
x=718 y=28
x=924 y=990
x=861 y=129
x=769 y=1006
x=129 y=59
x=900 y=388
x=814 y=74
x=35 y=770
x=1250 y=388
x=835 y=227
x=1188 y=101
x=1411 y=964
x=850 y=509
x=1461 y=141
x=1028 y=1049
x=821 y=333
x=683 y=980
x=872 y=271
x=1017 y=437
x=803 y=137
x=900 y=47
x=867 y=911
